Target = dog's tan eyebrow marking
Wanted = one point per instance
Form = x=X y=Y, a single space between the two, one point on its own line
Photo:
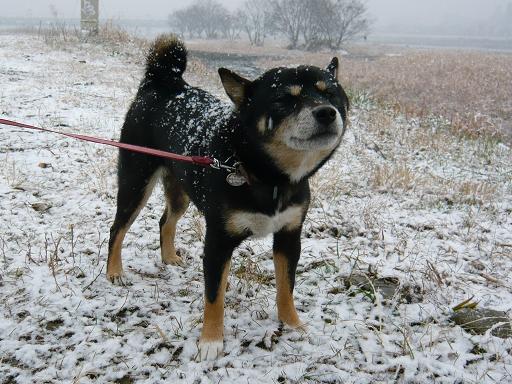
x=321 y=85
x=295 y=90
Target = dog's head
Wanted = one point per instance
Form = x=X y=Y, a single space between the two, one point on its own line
x=298 y=115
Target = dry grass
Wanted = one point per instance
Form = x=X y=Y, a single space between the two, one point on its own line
x=242 y=47
x=13 y=173
x=471 y=192
x=393 y=176
x=58 y=34
x=415 y=154
x=470 y=89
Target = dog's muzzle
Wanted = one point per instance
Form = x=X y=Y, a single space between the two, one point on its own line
x=316 y=129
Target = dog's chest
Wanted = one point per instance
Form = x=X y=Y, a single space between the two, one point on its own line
x=259 y=224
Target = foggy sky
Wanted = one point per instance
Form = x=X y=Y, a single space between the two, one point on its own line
x=384 y=12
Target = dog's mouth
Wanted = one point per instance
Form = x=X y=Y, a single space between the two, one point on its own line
x=317 y=140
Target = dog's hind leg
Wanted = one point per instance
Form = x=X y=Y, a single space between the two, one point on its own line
x=176 y=204
x=137 y=175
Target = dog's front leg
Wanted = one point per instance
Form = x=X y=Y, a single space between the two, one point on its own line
x=286 y=257
x=216 y=263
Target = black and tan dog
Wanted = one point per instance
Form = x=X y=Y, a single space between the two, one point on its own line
x=284 y=126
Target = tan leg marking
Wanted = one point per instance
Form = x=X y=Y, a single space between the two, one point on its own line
x=286 y=311
x=212 y=334
x=114 y=261
x=177 y=203
x=168 y=235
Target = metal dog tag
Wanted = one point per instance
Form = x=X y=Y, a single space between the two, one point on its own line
x=235 y=179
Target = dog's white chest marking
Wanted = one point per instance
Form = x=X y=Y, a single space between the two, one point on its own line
x=260 y=225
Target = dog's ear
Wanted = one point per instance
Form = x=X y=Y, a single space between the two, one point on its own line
x=235 y=85
x=332 y=68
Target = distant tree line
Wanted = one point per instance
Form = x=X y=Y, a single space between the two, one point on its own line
x=309 y=24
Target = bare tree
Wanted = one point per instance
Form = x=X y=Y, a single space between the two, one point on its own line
x=351 y=21
x=312 y=24
x=187 y=20
x=179 y=22
x=255 y=15
x=319 y=15
x=320 y=23
x=233 y=25
x=290 y=18
x=212 y=15
x=207 y=17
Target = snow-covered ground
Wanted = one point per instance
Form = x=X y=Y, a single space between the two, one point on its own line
x=401 y=199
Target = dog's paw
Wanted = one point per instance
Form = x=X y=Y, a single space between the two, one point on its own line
x=175 y=260
x=118 y=279
x=296 y=325
x=210 y=350
x=302 y=328
x=171 y=257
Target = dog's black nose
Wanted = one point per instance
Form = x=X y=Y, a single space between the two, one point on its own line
x=324 y=115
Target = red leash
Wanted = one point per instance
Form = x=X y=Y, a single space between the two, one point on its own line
x=198 y=160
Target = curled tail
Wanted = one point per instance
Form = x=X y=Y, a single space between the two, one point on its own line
x=167 y=59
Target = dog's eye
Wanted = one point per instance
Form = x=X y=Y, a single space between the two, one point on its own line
x=284 y=102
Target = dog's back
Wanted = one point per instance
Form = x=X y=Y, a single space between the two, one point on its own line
x=171 y=115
